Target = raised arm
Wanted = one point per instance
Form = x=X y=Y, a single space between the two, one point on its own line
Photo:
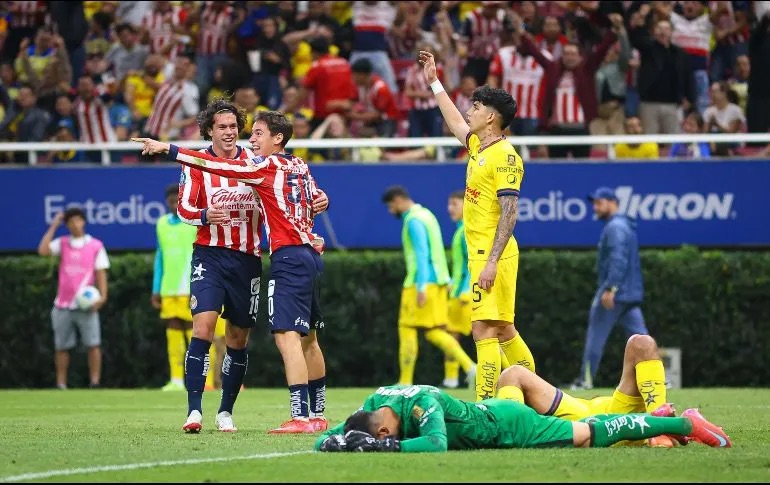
x=454 y=119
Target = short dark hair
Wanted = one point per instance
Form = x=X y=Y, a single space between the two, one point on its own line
x=276 y=122
x=457 y=194
x=172 y=189
x=122 y=27
x=498 y=99
x=394 y=191
x=74 y=212
x=362 y=66
x=215 y=107
x=319 y=45
x=361 y=421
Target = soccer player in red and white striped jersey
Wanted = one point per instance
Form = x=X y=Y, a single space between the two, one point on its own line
x=286 y=190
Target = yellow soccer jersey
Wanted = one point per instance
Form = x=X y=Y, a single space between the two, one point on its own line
x=496 y=170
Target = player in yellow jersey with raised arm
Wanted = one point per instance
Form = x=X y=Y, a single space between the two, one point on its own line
x=492 y=183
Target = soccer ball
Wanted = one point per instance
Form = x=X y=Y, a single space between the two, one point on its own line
x=86 y=297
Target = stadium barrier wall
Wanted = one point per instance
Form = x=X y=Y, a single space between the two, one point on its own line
x=713 y=305
x=703 y=203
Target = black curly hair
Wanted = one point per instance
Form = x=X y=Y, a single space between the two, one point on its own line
x=216 y=106
x=498 y=99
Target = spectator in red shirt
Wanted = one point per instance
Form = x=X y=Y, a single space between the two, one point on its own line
x=376 y=106
x=330 y=81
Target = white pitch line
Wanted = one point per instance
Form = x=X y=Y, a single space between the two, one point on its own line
x=135 y=466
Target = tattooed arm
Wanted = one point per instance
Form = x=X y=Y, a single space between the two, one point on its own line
x=509 y=214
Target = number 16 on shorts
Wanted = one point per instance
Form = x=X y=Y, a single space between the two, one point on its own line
x=254 y=299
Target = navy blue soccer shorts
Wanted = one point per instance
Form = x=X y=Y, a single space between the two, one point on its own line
x=225 y=278
x=293 y=292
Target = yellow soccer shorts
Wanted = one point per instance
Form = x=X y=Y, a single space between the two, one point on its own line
x=175 y=307
x=460 y=315
x=499 y=302
x=432 y=314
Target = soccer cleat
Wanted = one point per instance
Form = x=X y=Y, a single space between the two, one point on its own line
x=193 y=423
x=294 y=425
x=662 y=441
x=319 y=423
x=470 y=378
x=705 y=432
x=667 y=410
x=224 y=421
x=173 y=386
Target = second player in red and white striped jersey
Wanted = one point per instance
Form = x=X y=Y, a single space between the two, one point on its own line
x=200 y=190
x=522 y=77
x=283 y=182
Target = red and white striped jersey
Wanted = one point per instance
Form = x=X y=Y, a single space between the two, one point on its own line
x=415 y=79
x=285 y=187
x=200 y=190
x=567 y=109
x=160 y=26
x=93 y=119
x=522 y=77
x=28 y=14
x=483 y=34
x=214 y=25
x=174 y=100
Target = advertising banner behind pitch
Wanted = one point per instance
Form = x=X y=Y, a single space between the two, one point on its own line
x=675 y=203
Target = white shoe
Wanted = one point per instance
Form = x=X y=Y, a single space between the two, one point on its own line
x=193 y=423
x=224 y=422
x=450 y=383
x=470 y=378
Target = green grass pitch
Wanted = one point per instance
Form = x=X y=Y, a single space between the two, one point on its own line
x=135 y=435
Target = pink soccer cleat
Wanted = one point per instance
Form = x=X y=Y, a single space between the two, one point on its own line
x=294 y=426
x=319 y=423
x=705 y=432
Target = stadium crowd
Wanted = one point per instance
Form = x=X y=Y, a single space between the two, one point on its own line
x=101 y=71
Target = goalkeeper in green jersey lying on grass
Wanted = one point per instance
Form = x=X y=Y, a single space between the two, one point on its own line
x=423 y=418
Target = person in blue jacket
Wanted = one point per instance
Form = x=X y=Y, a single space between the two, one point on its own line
x=620 y=288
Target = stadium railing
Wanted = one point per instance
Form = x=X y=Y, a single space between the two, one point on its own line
x=440 y=142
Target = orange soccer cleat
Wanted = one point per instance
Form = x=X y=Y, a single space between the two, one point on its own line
x=319 y=423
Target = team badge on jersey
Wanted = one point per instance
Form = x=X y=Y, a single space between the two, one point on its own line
x=511 y=159
x=417 y=412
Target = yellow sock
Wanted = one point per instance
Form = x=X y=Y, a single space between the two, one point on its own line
x=651 y=382
x=407 y=354
x=511 y=392
x=518 y=353
x=569 y=407
x=212 y=365
x=176 y=348
x=504 y=364
x=450 y=346
x=488 y=370
x=451 y=369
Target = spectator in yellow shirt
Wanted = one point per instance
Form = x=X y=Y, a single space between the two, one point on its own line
x=636 y=151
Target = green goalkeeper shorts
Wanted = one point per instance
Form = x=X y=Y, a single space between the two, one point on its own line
x=519 y=426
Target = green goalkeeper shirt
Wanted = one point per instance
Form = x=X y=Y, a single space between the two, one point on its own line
x=432 y=420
